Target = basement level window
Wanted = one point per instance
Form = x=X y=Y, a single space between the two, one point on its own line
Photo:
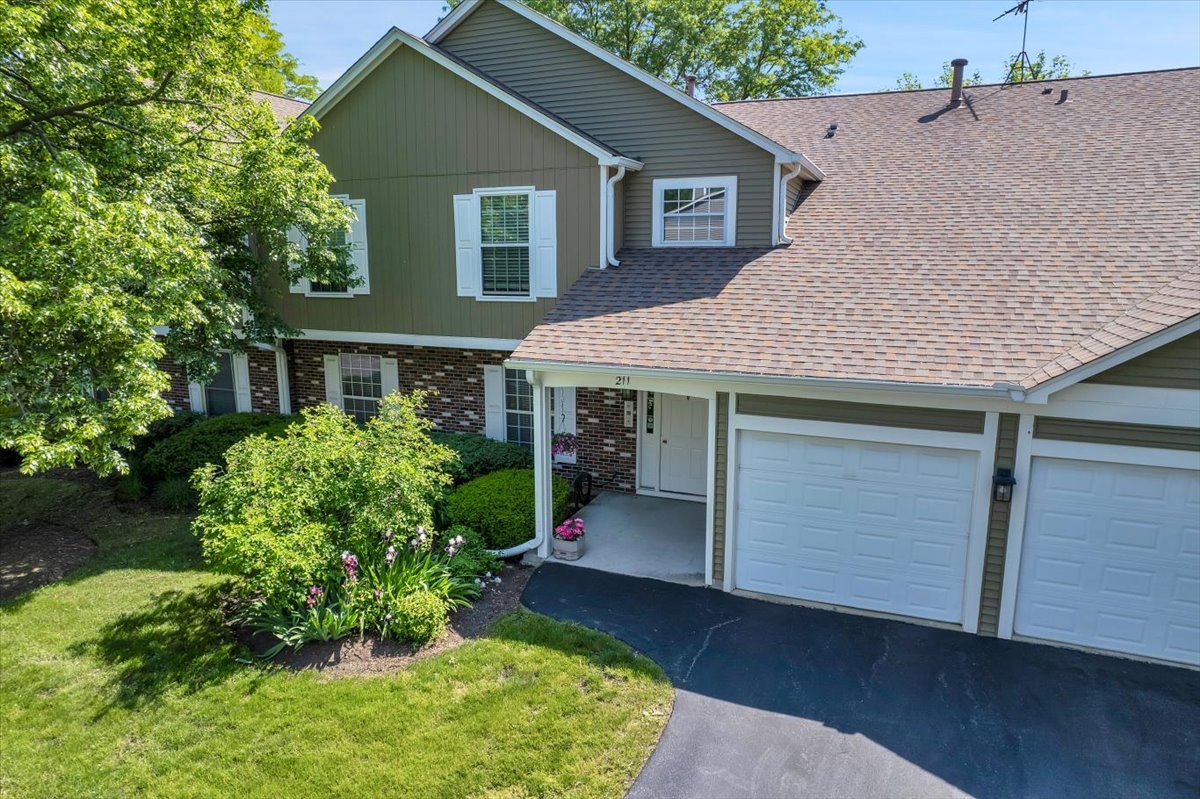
x=695 y=212
x=518 y=408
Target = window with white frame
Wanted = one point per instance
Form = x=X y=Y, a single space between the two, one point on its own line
x=354 y=239
x=518 y=408
x=505 y=243
x=695 y=212
x=220 y=395
x=362 y=385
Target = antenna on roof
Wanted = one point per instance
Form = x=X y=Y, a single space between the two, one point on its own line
x=1021 y=62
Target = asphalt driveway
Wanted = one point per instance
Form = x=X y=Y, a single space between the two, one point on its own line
x=781 y=701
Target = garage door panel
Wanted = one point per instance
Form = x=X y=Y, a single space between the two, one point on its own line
x=1109 y=558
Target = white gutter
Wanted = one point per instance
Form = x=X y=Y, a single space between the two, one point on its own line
x=997 y=390
x=538 y=533
x=610 y=231
x=781 y=234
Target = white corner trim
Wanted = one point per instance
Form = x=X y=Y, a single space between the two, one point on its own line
x=1016 y=526
x=412 y=339
x=727 y=182
x=710 y=478
x=1152 y=342
x=396 y=38
x=731 y=472
x=281 y=380
x=782 y=154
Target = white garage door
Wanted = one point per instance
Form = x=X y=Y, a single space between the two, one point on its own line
x=1111 y=558
x=876 y=526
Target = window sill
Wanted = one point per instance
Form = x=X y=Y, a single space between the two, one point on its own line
x=672 y=244
x=321 y=295
x=502 y=298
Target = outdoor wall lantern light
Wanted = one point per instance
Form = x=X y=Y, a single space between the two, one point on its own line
x=1002 y=485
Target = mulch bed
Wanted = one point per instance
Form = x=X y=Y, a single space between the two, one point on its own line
x=33 y=555
x=369 y=655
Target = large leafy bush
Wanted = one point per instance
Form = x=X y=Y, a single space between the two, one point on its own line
x=476 y=455
x=206 y=442
x=284 y=510
x=500 y=506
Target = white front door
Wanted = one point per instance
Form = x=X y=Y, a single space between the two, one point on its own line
x=683 y=447
x=1111 y=558
x=876 y=526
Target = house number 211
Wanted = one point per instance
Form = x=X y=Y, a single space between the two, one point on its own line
x=623 y=380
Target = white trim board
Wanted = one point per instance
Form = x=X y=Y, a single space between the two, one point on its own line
x=410 y=339
x=396 y=38
x=782 y=154
x=974 y=442
x=981 y=506
x=1116 y=358
x=1115 y=453
x=729 y=224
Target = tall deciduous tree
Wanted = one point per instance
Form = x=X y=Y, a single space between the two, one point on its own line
x=738 y=49
x=136 y=170
x=276 y=70
x=1039 y=68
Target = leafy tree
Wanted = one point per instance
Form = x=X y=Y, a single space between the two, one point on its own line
x=276 y=70
x=1056 y=67
x=134 y=167
x=738 y=49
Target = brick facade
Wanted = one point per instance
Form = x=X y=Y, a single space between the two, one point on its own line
x=264 y=380
x=177 y=395
x=455 y=375
x=607 y=448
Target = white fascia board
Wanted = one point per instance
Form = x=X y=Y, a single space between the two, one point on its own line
x=1039 y=394
x=736 y=377
x=782 y=154
x=411 y=339
x=396 y=38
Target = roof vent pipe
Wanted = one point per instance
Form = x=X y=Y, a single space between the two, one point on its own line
x=691 y=84
x=957 y=86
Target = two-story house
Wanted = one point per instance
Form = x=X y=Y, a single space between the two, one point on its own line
x=929 y=354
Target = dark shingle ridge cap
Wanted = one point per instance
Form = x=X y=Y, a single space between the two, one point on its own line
x=947 y=88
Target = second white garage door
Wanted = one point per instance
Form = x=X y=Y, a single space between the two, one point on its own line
x=875 y=526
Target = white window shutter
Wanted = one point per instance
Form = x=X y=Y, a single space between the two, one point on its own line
x=241 y=381
x=493 y=402
x=358 y=246
x=564 y=417
x=296 y=237
x=545 y=245
x=466 y=244
x=389 y=370
x=196 y=397
x=333 y=380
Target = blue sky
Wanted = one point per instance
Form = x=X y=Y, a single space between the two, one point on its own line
x=1103 y=36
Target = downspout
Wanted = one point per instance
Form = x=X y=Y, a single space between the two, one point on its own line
x=542 y=452
x=783 y=183
x=611 y=231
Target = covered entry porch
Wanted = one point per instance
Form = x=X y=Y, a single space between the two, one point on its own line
x=644 y=536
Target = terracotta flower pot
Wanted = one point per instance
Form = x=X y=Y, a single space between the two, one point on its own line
x=568 y=550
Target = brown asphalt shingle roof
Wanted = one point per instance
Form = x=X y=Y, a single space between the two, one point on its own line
x=940 y=249
x=285 y=109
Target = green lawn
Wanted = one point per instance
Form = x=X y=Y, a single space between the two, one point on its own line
x=121 y=681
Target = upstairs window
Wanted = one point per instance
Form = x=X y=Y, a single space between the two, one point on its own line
x=695 y=212
x=355 y=240
x=506 y=244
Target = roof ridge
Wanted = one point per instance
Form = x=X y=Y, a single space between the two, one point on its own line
x=283 y=96
x=946 y=88
x=1077 y=354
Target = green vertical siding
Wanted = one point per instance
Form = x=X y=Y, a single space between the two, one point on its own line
x=408 y=138
x=861 y=413
x=997 y=531
x=1174 y=365
x=1126 y=435
x=720 y=484
x=672 y=140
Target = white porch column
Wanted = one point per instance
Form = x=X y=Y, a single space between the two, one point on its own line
x=543 y=496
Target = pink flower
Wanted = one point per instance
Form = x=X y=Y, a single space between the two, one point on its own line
x=350 y=565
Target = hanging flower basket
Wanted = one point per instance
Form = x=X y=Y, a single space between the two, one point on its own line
x=568 y=539
x=564 y=443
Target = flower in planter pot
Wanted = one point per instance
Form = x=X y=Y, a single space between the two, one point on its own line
x=564 y=443
x=570 y=530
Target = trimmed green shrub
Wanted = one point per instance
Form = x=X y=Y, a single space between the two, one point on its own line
x=472 y=558
x=419 y=617
x=500 y=506
x=284 y=509
x=130 y=487
x=475 y=455
x=174 y=495
x=206 y=441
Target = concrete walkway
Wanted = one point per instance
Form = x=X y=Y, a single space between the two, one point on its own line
x=782 y=701
x=644 y=536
